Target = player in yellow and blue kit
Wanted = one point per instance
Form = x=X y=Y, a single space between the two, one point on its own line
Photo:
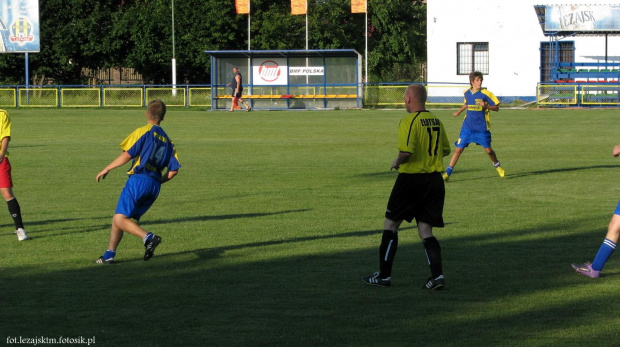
x=155 y=161
x=419 y=190
x=476 y=125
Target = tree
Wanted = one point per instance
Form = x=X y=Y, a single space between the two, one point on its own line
x=397 y=42
x=81 y=35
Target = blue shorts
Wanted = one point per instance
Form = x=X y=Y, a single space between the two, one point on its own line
x=617 y=211
x=138 y=196
x=467 y=136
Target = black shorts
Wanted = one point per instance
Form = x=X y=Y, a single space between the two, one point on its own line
x=238 y=95
x=419 y=196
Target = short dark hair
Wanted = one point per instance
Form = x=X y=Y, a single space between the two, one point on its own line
x=474 y=74
x=156 y=110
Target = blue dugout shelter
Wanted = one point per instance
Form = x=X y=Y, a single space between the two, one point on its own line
x=289 y=79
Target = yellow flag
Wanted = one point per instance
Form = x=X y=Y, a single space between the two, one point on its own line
x=243 y=6
x=358 y=6
x=299 y=6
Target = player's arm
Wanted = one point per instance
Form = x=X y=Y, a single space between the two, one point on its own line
x=5 y=147
x=238 y=79
x=487 y=106
x=616 y=150
x=121 y=160
x=492 y=102
x=400 y=159
x=445 y=142
x=168 y=176
x=456 y=114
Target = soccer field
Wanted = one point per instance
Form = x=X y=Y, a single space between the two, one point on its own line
x=275 y=217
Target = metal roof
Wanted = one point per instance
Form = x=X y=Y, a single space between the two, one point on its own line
x=285 y=53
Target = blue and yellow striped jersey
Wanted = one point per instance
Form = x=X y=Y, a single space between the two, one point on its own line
x=476 y=118
x=152 y=152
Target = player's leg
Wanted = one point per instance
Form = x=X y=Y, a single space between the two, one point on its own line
x=6 y=188
x=397 y=207
x=233 y=101
x=432 y=215
x=116 y=235
x=461 y=143
x=247 y=107
x=609 y=244
x=387 y=252
x=433 y=256
x=388 y=247
x=605 y=250
x=485 y=141
x=455 y=158
x=496 y=164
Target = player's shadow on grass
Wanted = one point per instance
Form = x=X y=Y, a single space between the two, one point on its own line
x=35 y=231
x=567 y=169
x=224 y=217
x=217 y=252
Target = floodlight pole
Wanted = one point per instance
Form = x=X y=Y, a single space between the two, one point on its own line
x=174 y=60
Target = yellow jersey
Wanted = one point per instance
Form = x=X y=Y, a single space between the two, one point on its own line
x=423 y=135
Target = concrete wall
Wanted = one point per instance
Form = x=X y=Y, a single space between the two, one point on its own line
x=514 y=35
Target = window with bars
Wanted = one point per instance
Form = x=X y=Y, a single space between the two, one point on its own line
x=472 y=56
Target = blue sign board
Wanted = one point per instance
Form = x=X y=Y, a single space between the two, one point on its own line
x=582 y=18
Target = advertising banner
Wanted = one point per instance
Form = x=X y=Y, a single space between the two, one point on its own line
x=306 y=71
x=269 y=71
x=582 y=18
x=19 y=26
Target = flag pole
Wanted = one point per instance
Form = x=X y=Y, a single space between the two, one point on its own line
x=366 y=49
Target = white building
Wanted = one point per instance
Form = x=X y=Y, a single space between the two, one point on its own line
x=504 y=39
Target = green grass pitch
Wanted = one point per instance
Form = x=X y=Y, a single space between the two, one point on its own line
x=275 y=217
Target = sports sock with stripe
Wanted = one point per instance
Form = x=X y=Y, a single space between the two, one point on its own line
x=607 y=248
x=433 y=255
x=449 y=170
x=387 y=251
x=147 y=238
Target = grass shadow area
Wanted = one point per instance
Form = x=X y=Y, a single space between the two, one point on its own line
x=219 y=296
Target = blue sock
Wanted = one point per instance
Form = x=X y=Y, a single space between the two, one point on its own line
x=607 y=248
x=449 y=170
x=147 y=238
x=109 y=254
x=497 y=164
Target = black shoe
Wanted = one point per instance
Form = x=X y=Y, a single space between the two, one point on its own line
x=150 y=247
x=101 y=260
x=435 y=283
x=374 y=280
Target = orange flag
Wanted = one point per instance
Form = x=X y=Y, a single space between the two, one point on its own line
x=358 y=6
x=243 y=6
x=299 y=6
